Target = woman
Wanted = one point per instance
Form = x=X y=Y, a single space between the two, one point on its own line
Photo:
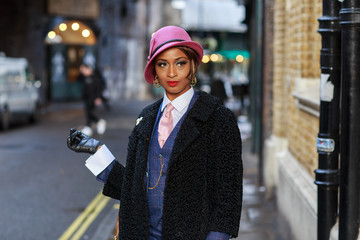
x=182 y=183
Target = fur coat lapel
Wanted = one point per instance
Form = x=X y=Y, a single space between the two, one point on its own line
x=147 y=120
x=190 y=128
x=193 y=123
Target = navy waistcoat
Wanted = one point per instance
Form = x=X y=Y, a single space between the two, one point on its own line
x=156 y=156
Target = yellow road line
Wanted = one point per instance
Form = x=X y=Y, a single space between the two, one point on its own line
x=81 y=218
x=90 y=219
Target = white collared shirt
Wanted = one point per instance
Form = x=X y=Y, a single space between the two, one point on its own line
x=181 y=104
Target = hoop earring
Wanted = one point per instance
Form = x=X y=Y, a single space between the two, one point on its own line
x=156 y=82
x=193 y=82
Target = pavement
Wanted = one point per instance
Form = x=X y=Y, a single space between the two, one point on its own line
x=260 y=219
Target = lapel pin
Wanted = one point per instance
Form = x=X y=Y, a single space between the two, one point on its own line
x=138 y=120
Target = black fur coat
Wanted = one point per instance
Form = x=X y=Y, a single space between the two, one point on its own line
x=203 y=190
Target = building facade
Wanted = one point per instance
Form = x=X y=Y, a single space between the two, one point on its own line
x=297 y=94
x=291 y=122
x=116 y=41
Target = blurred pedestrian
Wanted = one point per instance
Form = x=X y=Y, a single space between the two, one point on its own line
x=183 y=174
x=105 y=95
x=93 y=85
x=218 y=90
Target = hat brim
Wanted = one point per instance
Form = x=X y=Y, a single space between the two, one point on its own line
x=149 y=69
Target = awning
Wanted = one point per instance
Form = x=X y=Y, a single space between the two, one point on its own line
x=232 y=54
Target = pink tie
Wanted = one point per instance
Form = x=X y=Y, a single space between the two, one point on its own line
x=165 y=125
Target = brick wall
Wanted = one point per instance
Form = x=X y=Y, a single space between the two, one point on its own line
x=279 y=69
x=296 y=51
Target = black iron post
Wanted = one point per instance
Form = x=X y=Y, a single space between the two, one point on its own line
x=327 y=175
x=256 y=84
x=350 y=121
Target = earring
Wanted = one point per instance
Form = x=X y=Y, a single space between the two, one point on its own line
x=156 y=82
x=193 y=82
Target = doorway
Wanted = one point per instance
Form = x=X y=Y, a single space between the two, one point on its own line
x=70 y=43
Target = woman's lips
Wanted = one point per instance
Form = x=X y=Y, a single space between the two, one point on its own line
x=172 y=83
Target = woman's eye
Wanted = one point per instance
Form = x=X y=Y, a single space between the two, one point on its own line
x=181 y=63
x=161 y=64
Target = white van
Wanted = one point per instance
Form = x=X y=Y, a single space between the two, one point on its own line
x=19 y=94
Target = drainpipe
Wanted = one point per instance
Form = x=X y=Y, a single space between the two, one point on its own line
x=350 y=121
x=256 y=84
x=327 y=175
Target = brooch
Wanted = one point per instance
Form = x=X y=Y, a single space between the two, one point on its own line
x=138 y=120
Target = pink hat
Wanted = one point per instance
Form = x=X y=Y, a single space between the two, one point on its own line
x=165 y=38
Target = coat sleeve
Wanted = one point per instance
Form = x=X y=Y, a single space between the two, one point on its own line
x=227 y=200
x=112 y=187
x=114 y=184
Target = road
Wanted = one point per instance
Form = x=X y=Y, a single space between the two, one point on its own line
x=44 y=186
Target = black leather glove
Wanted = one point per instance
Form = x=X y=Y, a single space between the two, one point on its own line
x=80 y=142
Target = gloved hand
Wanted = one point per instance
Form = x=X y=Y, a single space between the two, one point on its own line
x=80 y=142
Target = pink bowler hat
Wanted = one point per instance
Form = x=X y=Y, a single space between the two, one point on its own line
x=164 y=38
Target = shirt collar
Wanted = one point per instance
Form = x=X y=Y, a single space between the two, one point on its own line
x=180 y=102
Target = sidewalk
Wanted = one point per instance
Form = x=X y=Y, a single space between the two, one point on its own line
x=260 y=219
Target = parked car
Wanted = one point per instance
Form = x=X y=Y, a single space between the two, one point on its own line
x=19 y=93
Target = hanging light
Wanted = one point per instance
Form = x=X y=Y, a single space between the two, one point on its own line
x=214 y=57
x=75 y=26
x=239 y=58
x=51 y=35
x=63 y=27
x=85 y=33
x=205 y=59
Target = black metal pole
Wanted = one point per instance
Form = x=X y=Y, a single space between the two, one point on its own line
x=256 y=84
x=327 y=175
x=350 y=121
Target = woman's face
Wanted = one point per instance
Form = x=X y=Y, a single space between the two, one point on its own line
x=172 y=67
